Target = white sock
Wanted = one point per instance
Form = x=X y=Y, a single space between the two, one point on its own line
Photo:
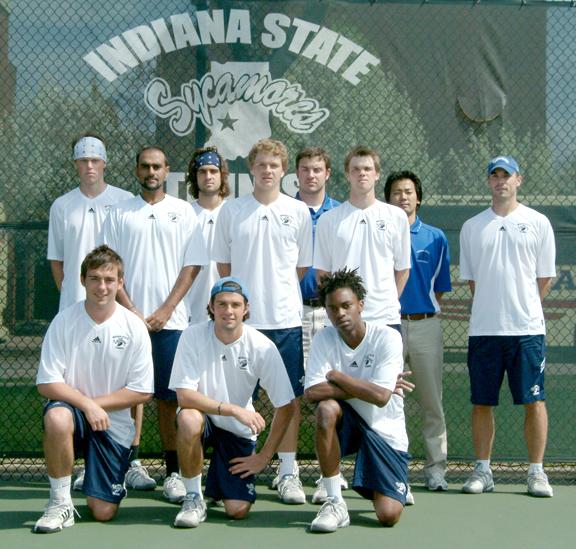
x=287 y=463
x=193 y=485
x=60 y=488
x=333 y=487
x=483 y=465
x=534 y=468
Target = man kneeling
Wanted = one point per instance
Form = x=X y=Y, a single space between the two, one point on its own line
x=352 y=375
x=96 y=363
x=216 y=368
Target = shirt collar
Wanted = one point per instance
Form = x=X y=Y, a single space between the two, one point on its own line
x=416 y=226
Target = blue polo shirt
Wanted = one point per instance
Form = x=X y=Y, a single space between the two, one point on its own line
x=308 y=284
x=430 y=269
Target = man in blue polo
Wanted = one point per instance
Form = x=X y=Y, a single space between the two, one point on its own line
x=313 y=168
x=421 y=329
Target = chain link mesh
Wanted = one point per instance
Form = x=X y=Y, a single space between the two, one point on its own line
x=455 y=83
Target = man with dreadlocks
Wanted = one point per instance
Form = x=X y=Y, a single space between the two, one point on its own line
x=352 y=375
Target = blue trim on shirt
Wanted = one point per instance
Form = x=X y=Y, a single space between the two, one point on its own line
x=430 y=269
x=308 y=284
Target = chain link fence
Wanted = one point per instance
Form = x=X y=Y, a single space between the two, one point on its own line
x=435 y=87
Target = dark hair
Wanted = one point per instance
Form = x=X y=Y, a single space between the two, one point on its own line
x=361 y=150
x=211 y=314
x=270 y=146
x=101 y=256
x=397 y=176
x=341 y=279
x=87 y=134
x=151 y=148
x=313 y=152
x=192 y=175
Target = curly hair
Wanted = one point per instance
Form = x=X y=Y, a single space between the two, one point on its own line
x=192 y=175
x=345 y=278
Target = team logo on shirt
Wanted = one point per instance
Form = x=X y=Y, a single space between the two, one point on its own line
x=91 y=211
x=369 y=361
x=286 y=219
x=353 y=365
x=120 y=342
x=96 y=340
x=107 y=207
x=400 y=487
x=522 y=227
x=381 y=224
x=174 y=217
x=242 y=363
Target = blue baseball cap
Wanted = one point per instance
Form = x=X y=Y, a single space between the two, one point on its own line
x=229 y=284
x=507 y=163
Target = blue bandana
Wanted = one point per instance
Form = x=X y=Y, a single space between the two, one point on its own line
x=207 y=158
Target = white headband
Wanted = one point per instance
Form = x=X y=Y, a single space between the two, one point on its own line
x=90 y=147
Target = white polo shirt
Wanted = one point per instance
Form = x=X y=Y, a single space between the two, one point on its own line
x=155 y=241
x=378 y=359
x=198 y=297
x=264 y=244
x=504 y=256
x=99 y=359
x=229 y=373
x=75 y=223
x=376 y=241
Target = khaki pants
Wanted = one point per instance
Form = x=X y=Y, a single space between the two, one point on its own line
x=424 y=355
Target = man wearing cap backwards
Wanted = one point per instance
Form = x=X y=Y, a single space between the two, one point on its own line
x=421 y=327
x=216 y=369
x=507 y=255
x=265 y=239
x=208 y=184
x=161 y=242
x=76 y=220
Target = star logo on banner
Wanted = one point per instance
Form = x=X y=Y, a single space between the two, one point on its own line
x=227 y=122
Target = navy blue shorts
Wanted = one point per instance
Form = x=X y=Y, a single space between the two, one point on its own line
x=379 y=467
x=105 y=461
x=220 y=482
x=164 y=344
x=288 y=341
x=521 y=357
x=397 y=327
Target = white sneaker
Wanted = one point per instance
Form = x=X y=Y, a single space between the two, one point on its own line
x=479 y=481
x=137 y=477
x=78 y=484
x=538 y=485
x=409 y=497
x=56 y=516
x=332 y=515
x=320 y=495
x=193 y=512
x=290 y=490
x=276 y=479
x=173 y=489
x=435 y=482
